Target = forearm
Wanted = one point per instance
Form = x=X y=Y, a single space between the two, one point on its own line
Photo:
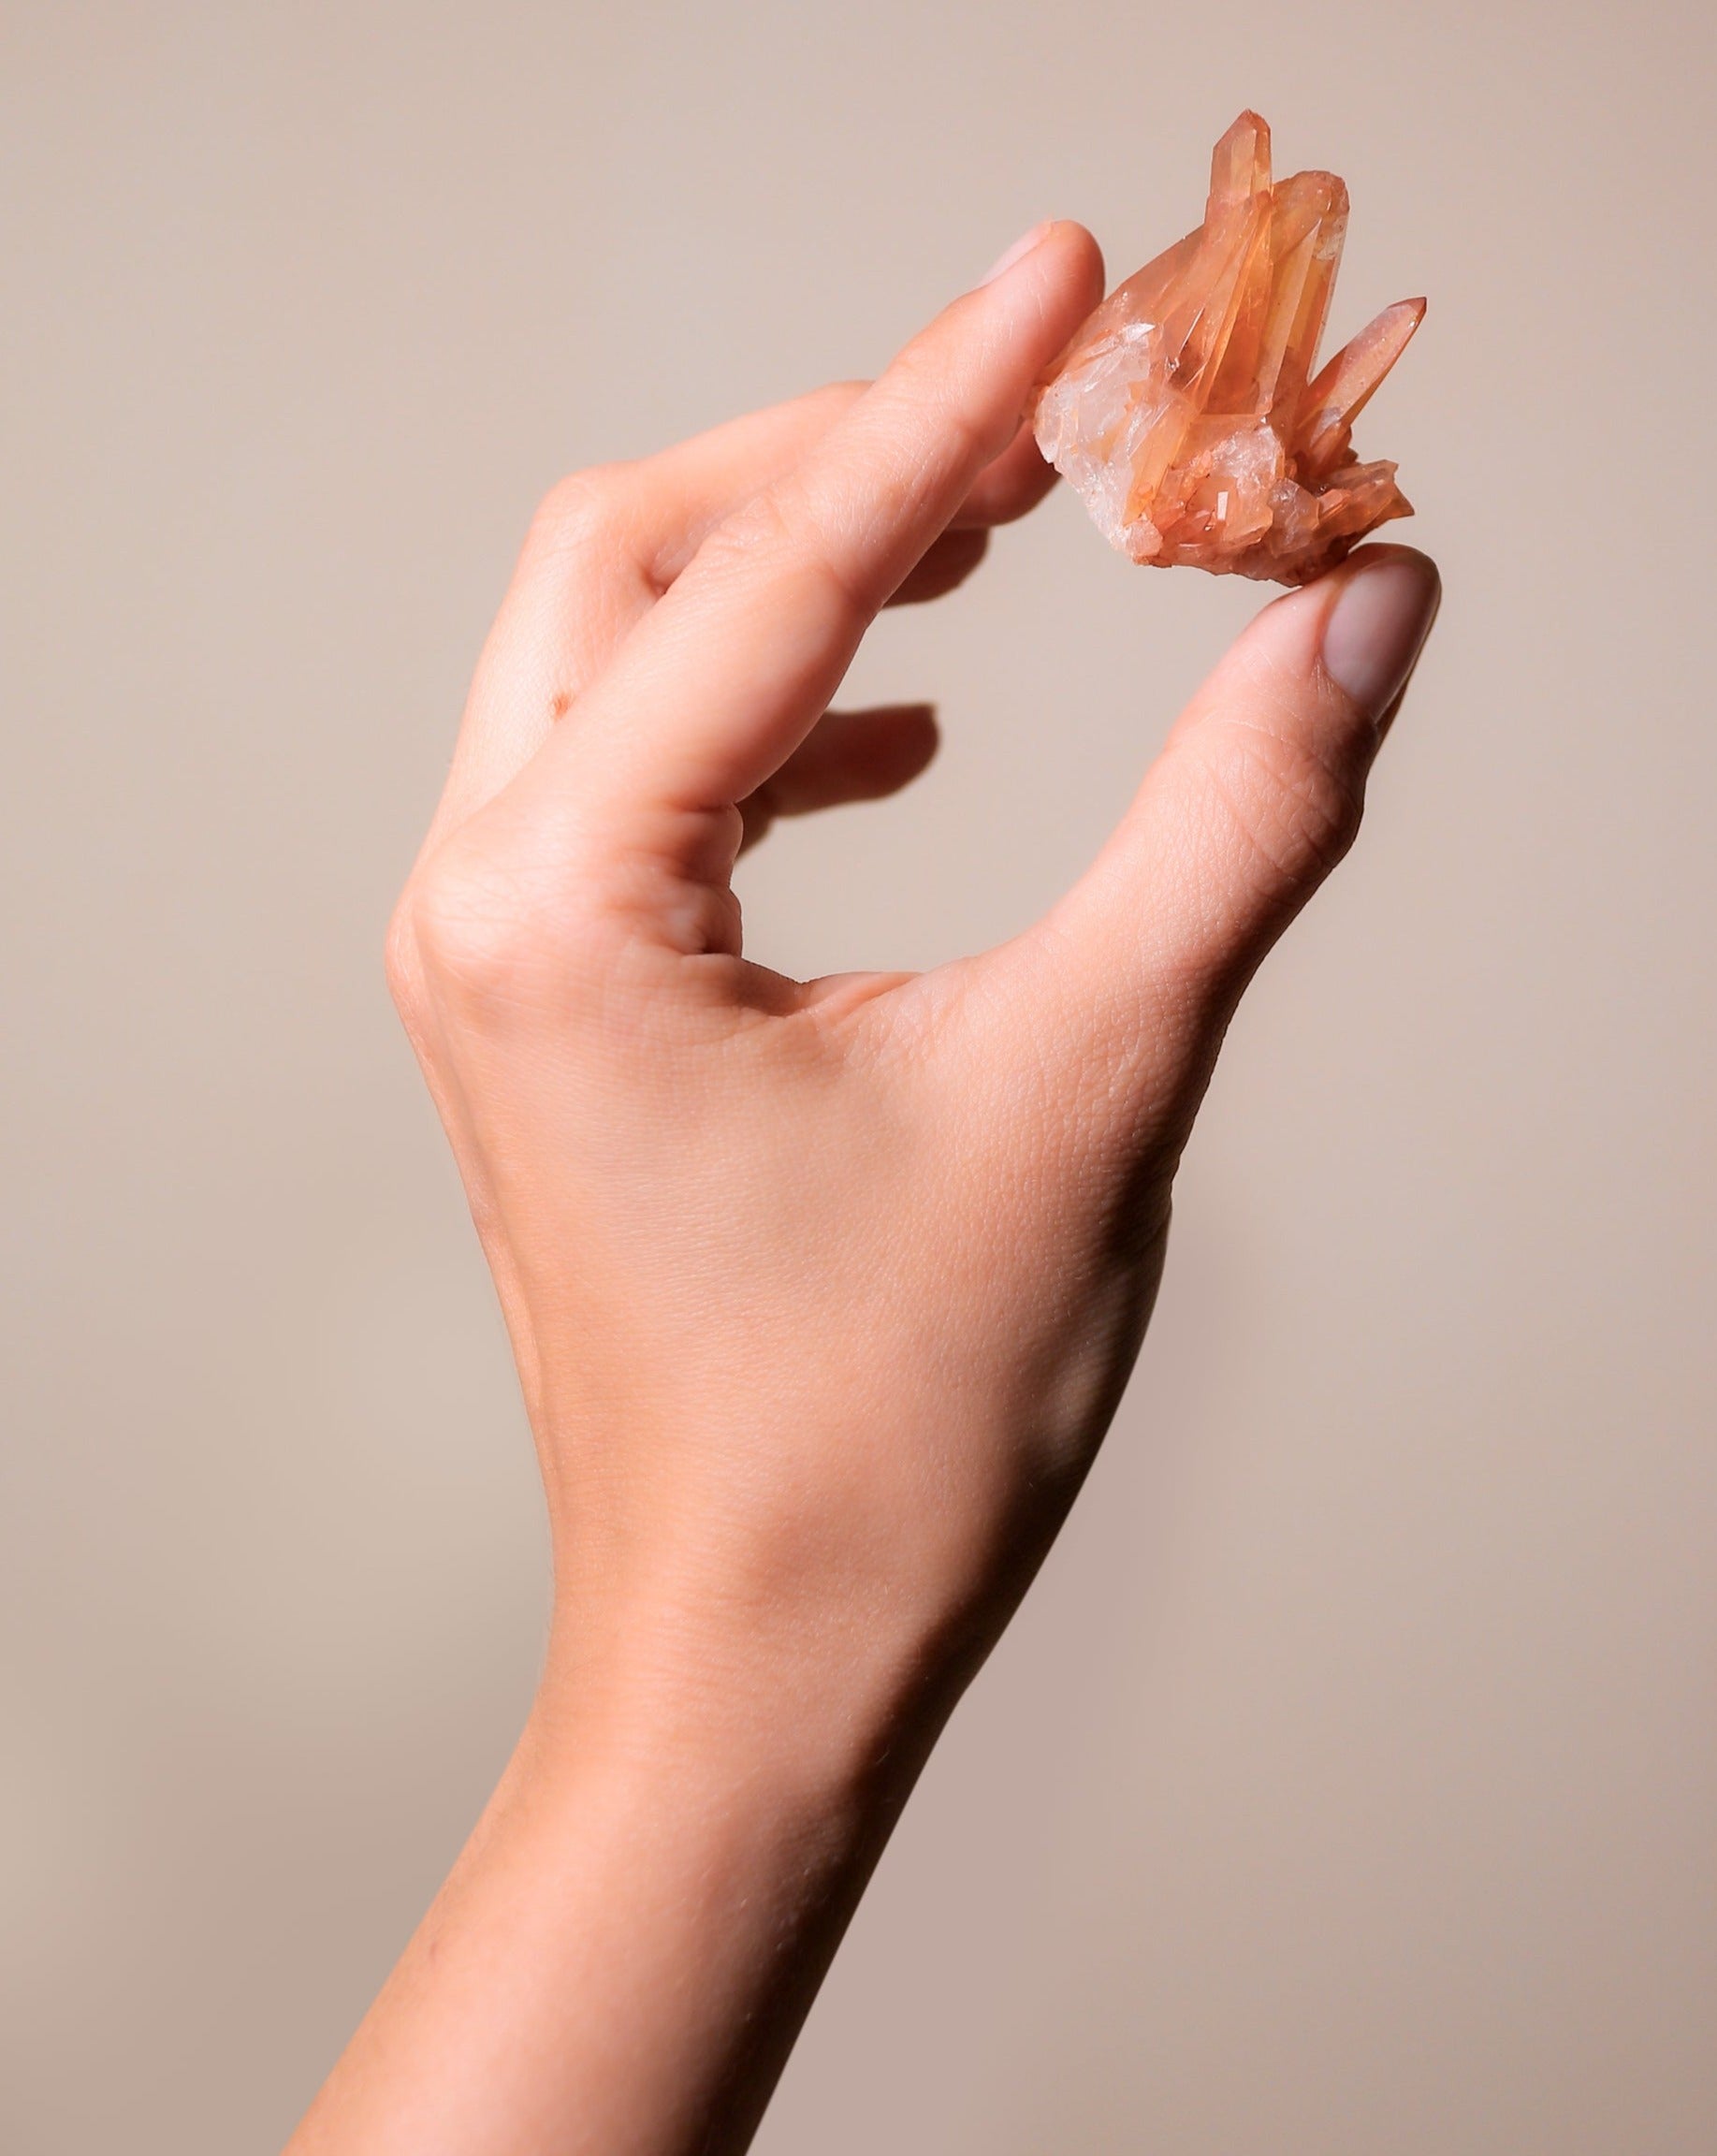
x=624 y=1952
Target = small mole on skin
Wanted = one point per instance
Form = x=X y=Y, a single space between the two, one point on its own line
x=560 y=706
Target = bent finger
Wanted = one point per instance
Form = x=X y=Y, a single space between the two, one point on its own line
x=602 y=548
x=606 y=543
x=728 y=674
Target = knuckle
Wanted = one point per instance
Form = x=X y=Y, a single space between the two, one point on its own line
x=1298 y=808
x=799 y=541
x=835 y=397
x=760 y=527
x=583 y=514
x=401 y=962
x=472 y=935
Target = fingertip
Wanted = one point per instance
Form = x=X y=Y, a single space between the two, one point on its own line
x=1055 y=271
x=1070 y=263
x=1357 y=629
x=1385 y=605
x=1085 y=259
x=1064 y=267
x=1017 y=252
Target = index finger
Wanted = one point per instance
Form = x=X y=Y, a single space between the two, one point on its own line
x=728 y=672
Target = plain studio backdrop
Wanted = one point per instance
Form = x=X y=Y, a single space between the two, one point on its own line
x=1350 y=1782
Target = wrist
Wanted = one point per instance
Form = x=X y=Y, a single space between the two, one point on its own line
x=804 y=1710
x=661 y=1878
x=716 y=1616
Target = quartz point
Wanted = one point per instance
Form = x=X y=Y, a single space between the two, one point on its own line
x=1185 y=413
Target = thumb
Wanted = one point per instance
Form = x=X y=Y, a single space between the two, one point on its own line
x=1256 y=796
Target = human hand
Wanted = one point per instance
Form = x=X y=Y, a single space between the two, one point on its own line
x=822 y=1294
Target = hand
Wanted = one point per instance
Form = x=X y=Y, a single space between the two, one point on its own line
x=822 y=1294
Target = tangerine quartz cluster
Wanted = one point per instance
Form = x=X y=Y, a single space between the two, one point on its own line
x=1184 y=413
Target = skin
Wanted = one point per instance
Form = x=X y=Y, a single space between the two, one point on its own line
x=822 y=1294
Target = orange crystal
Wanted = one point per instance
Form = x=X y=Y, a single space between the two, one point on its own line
x=1184 y=412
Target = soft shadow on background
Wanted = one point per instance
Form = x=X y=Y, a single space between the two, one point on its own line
x=1349 y=1783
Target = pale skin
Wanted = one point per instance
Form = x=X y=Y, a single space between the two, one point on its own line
x=822 y=1294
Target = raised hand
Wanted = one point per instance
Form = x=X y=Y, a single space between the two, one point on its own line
x=823 y=1293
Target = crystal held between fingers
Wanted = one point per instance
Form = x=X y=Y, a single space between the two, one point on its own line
x=1185 y=414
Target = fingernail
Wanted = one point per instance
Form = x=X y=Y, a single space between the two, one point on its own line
x=1017 y=253
x=1377 y=628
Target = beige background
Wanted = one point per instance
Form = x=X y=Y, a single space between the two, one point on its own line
x=1349 y=1784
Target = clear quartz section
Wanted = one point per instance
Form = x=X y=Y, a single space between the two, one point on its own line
x=1185 y=413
